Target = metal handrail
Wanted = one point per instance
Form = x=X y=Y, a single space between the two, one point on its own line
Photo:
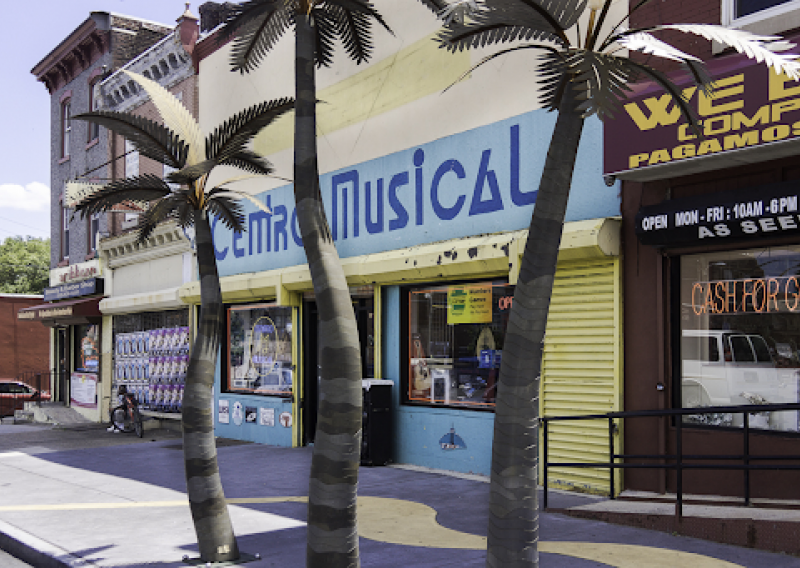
x=678 y=458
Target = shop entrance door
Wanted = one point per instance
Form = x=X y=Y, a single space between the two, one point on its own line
x=63 y=365
x=364 y=308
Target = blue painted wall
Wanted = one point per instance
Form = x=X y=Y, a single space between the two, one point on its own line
x=417 y=430
x=275 y=435
x=481 y=181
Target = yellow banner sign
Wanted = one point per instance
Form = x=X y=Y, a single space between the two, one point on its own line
x=469 y=304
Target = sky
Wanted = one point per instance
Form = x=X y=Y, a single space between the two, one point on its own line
x=32 y=29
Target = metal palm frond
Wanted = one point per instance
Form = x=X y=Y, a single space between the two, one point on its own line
x=502 y=21
x=150 y=139
x=326 y=36
x=228 y=210
x=354 y=30
x=458 y=11
x=760 y=48
x=139 y=189
x=651 y=45
x=600 y=81
x=258 y=25
x=249 y=161
x=235 y=133
x=435 y=6
x=190 y=174
x=553 y=78
x=669 y=87
x=159 y=212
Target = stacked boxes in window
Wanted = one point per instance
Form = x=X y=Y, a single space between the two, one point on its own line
x=376 y=432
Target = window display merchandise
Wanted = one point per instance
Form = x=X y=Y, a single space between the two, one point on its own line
x=739 y=340
x=456 y=336
x=260 y=349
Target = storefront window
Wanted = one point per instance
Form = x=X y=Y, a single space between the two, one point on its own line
x=740 y=334
x=87 y=346
x=456 y=336
x=260 y=350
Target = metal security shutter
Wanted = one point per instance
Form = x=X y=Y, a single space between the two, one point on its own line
x=582 y=369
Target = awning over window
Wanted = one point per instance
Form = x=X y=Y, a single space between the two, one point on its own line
x=69 y=312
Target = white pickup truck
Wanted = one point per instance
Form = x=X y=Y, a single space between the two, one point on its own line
x=723 y=368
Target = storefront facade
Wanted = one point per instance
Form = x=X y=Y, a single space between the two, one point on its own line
x=711 y=237
x=429 y=209
x=72 y=312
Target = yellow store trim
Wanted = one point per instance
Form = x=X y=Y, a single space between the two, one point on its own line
x=582 y=371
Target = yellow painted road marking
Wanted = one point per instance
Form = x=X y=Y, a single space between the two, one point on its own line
x=406 y=523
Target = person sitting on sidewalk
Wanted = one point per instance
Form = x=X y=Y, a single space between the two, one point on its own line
x=118 y=411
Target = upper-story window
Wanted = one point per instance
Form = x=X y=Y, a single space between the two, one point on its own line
x=93 y=130
x=761 y=16
x=66 y=127
x=92 y=232
x=747 y=7
x=65 y=215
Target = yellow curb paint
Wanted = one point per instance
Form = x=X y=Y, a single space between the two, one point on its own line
x=406 y=523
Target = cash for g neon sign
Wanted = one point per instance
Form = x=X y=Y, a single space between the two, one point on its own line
x=746 y=296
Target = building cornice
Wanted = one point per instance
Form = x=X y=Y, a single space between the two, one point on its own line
x=123 y=250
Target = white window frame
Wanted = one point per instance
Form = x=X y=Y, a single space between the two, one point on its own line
x=65 y=215
x=773 y=20
x=93 y=228
x=66 y=127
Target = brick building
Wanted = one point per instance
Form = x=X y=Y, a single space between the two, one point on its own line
x=100 y=45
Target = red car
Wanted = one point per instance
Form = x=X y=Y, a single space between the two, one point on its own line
x=14 y=395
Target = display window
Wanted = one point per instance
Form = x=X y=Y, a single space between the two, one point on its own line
x=260 y=350
x=740 y=334
x=455 y=343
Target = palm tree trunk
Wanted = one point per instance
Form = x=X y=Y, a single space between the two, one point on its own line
x=332 y=533
x=206 y=499
x=514 y=511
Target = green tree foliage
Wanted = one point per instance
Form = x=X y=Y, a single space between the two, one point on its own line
x=24 y=265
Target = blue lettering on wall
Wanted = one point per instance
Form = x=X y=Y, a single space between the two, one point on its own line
x=280 y=227
x=375 y=226
x=518 y=197
x=480 y=181
x=218 y=254
x=447 y=213
x=401 y=220
x=486 y=176
x=419 y=159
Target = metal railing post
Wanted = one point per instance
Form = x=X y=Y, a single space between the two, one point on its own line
x=544 y=467
x=679 y=468
x=611 y=456
x=746 y=431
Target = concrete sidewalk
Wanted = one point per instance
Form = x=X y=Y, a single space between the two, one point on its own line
x=124 y=505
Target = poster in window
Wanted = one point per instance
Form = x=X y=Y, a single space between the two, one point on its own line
x=83 y=390
x=469 y=304
x=250 y=414
x=88 y=349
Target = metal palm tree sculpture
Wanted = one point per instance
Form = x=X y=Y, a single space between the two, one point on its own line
x=259 y=24
x=582 y=73
x=179 y=144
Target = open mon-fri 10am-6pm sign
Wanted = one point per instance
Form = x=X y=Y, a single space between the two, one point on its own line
x=767 y=211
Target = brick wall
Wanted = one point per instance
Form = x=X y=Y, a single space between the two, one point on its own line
x=676 y=12
x=24 y=345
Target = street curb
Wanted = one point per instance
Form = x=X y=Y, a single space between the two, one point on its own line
x=35 y=551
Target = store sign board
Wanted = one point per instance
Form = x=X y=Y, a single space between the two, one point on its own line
x=74 y=289
x=469 y=304
x=750 y=106
x=754 y=213
x=480 y=181
x=75 y=272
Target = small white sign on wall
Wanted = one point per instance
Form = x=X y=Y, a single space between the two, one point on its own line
x=224 y=416
x=266 y=417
